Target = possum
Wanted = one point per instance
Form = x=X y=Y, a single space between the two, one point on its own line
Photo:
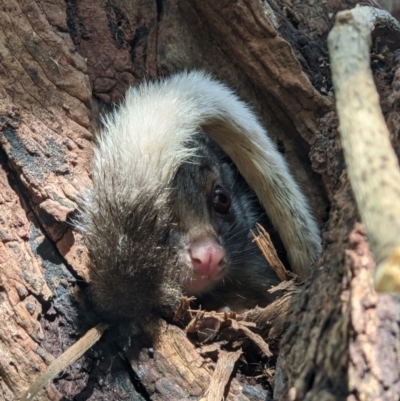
x=172 y=202
x=182 y=170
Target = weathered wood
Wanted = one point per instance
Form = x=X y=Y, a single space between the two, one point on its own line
x=175 y=369
x=45 y=115
x=54 y=57
x=263 y=241
x=225 y=364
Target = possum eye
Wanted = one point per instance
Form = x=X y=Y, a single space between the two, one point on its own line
x=222 y=200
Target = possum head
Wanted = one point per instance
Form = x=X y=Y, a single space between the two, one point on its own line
x=213 y=211
x=169 y=213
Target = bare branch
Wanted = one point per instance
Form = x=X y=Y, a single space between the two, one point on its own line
x=64 y=360
x=372 y=164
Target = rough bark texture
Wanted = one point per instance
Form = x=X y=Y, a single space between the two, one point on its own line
x=61 y=61
x=338 y=350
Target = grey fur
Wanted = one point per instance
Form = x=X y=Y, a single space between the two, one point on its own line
x=131 y=218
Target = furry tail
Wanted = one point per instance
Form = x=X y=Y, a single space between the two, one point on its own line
x=151 y=130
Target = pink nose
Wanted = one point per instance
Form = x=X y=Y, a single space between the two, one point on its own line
x=207 y=258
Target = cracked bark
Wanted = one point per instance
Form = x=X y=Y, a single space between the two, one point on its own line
x=60 y=63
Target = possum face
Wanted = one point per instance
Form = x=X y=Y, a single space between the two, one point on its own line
x=213 y=211
x=202 y=212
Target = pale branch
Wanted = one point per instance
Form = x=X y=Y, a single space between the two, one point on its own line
x=371 y=161
x=64 y=360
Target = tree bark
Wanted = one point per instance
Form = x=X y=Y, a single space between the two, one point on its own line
x=61 y=64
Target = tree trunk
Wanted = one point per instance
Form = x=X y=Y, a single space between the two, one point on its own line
x=61 y=64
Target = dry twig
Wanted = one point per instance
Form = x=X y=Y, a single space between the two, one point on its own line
x=371 y=162
x=223 y=370
x=64 y=360
x=263 y=241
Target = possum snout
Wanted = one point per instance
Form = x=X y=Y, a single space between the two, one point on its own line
x=207 y=260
